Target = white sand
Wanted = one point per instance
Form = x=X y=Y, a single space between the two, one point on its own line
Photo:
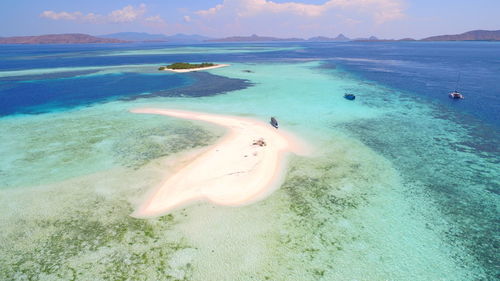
x=196 y=69
x=232 y=172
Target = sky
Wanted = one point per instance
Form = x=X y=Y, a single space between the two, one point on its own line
x=221 y=18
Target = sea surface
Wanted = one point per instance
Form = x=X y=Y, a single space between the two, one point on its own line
x=403 y=184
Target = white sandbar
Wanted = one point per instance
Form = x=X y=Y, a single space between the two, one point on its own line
x=232 y=172
x=196 y=69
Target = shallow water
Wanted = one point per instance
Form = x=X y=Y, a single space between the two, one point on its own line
x=399 y=187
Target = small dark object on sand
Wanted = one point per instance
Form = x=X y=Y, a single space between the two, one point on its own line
x=259 y=142
x=274 y=122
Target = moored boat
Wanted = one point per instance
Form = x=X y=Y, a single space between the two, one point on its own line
x=274 y=122
x=455 y=95
x=349 y=96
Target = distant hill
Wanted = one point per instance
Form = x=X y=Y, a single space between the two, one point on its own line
x=135 y=36
x=186 y=38
x=475 y=35
x=75 y=38
x=147 y=37
x=340 y=38
x=371 y=38
x=253 y=38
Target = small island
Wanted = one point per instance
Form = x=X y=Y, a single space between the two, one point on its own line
x=187 y=67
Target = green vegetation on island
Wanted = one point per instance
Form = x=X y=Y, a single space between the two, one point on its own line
x=185 y=65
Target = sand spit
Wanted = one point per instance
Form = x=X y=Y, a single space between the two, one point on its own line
x=246 y=165
x=196 y=69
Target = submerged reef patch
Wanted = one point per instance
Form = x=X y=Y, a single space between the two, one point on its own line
x=86 y=233
x=69 y=187
x=52 y=147
x=454 y=167
x=205 y=84
x=136 y=148
x=341 y=216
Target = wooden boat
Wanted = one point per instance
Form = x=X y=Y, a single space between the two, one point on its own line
x=274 y=122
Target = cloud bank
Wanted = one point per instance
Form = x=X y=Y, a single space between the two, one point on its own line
x=127 y=14
x=380 y=10
x=262 y=15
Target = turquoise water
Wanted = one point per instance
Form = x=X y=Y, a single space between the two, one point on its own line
x=395 y=190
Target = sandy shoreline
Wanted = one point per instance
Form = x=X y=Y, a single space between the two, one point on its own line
x=232 y=172
x=195 y=69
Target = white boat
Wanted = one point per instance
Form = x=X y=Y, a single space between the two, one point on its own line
x=455 y=95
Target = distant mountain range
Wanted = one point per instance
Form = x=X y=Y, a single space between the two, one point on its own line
x=375 y=39
x=123 y=37
x=475 y=35
x=339 y=38
x=146 y=37
x=371 y=38
x=135 y=36
x=75 y=38
x=254 y=38
x=186 y=38
x=126 y=37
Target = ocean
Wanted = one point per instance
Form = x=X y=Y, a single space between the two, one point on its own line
x=403 y=183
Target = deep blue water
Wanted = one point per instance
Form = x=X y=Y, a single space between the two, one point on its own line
x=426 y=70
x=431 y=70
x=40 y=95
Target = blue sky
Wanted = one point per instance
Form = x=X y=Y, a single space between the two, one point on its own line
x=219 y=18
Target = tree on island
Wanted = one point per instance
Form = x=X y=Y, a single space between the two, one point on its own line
x=185 y=65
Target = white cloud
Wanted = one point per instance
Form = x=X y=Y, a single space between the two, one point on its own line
x=211 y=11
x=293 y=18
x=76 y=16
x=187 y=18
x=155 y=19
x=380 y=10
x=126 y=14
x=61 y=16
